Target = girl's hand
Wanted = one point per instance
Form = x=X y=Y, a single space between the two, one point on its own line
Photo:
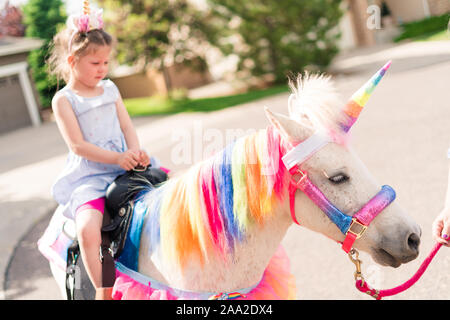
x=441 y=227
x=144 y=159
x=128 y=160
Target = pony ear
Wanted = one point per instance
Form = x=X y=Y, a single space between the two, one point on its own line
x=288 y=128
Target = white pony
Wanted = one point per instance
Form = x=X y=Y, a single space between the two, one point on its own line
x=215 y=230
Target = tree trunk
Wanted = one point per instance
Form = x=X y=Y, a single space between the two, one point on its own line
x=167 y=80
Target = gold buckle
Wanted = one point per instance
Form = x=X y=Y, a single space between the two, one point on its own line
x=360 y=228
x=302 y=176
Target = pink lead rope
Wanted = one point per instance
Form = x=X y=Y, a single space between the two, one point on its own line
x=362 y=285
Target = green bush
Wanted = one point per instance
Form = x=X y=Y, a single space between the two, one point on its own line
x=279 y=37
x=42 y=18
x=425 y=26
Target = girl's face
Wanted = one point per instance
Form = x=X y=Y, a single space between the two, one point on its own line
x=89 y=69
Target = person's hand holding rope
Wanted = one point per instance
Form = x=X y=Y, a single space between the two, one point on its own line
x=441 y=225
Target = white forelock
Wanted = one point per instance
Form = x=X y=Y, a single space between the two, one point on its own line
x=315 y=97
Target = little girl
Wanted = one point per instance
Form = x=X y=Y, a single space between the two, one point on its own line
x=96 y=127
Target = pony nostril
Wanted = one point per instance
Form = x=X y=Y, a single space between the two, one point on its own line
x=414 y=242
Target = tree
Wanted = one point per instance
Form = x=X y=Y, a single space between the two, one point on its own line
x=42 y=18
x=158 y=32
x=280 y=36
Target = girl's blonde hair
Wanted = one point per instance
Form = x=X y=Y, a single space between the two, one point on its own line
x=81 y=43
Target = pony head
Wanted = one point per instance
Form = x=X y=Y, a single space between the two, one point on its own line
x=315 y=106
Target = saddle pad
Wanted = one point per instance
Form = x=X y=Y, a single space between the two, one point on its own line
x=57 y=238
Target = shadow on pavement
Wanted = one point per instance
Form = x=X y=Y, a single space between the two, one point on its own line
x=28 y=269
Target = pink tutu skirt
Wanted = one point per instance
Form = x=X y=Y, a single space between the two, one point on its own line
x=277 y=283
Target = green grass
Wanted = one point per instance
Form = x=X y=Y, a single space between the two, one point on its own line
x=426 y=29
x=434 y=36
x=157 y=105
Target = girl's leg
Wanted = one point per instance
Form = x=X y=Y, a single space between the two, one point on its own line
x=88 y=224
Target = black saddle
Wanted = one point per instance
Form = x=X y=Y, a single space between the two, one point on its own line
x=120 y=197
x=128 y=185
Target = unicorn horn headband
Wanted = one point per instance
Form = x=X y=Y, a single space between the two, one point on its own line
x=354 y=107
x=88 y=20
x=86 y=8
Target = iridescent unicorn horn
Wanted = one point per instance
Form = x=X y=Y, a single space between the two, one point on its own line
x=354 y=107
x=86 y=8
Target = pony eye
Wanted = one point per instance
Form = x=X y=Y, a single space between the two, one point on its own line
x=339 y=178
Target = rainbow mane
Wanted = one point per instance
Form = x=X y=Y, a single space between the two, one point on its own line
x=212 y=206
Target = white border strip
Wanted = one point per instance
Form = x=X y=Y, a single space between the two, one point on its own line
x=20 y=68
x=305 y=149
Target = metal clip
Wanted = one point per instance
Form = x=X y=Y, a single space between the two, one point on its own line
x=357 y=263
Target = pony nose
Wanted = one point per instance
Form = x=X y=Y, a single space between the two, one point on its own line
x=414 y=242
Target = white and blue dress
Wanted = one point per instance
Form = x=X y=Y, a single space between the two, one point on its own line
x=83 y=180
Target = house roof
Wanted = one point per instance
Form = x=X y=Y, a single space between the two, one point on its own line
x=15 y=45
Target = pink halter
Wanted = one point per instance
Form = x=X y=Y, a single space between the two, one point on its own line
x=352 y=227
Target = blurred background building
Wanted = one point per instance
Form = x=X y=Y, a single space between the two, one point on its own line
x=393 y=13
x=18 y=98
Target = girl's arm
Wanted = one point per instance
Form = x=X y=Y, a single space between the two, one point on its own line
x=126 y=125
x=71 y=132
